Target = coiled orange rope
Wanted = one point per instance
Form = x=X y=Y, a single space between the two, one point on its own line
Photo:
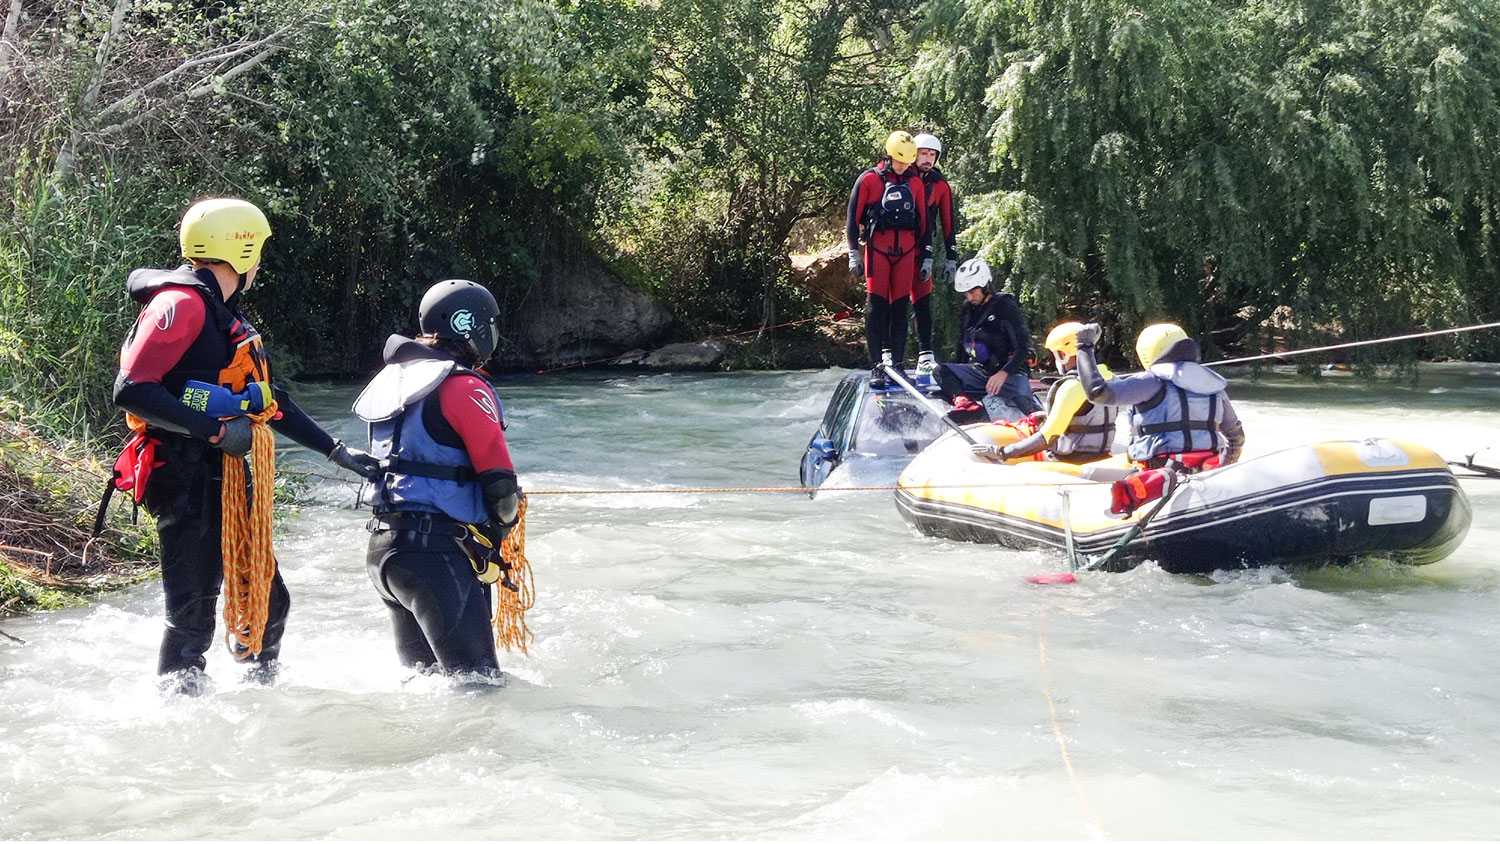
x=245 y=539
x=511 y=632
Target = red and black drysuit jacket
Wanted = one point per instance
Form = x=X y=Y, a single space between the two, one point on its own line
x=894 y=246
x=940 y=223
x=187 y=332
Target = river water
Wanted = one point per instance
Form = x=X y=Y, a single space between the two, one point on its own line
x=760 y=665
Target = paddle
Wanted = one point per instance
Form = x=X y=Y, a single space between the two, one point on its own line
x=1468 y=463
x=1114 y=550
x=895 y=375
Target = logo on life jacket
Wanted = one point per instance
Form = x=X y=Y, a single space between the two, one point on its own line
x=898 y=208
x=462 y=321
x=166 y=316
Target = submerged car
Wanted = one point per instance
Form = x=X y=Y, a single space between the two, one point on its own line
x=875 y=431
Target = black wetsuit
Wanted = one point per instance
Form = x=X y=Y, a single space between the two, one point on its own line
x=184 y=334
x=440 y=611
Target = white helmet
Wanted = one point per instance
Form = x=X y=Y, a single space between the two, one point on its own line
x=926 y=141
x=971 y=274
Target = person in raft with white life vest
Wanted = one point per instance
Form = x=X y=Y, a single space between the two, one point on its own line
x=1071 y=428
x=1179 y=412
x=196 y=385
x=994 y=343
x=940 y=226
x=438 y=426
x=888 y=212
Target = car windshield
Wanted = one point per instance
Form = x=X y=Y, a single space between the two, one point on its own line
x=893 y=424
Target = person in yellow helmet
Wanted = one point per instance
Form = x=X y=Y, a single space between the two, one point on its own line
x=1072 y=429
x=885 y=224
x=194 y=380
x=1179 y=411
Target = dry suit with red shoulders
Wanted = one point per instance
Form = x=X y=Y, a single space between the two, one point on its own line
x=187 y=331
x=940 y=226
x=888 y=212
x=438 y=427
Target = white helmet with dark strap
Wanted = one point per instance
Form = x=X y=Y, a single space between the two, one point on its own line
x=971 y=274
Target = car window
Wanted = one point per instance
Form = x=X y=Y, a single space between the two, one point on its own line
x=892 y=424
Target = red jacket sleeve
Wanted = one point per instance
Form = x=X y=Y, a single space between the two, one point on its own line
x=162 y=334
x=919 y=193
x=470 y=406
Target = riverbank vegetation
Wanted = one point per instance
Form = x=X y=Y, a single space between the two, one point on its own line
x=48 y=497
x=1279 y=172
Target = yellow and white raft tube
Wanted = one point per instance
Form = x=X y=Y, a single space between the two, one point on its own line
x=1312 y=504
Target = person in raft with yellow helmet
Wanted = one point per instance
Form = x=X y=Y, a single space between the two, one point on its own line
x=1179 y=412
x=447 y=480
x=1071 y=429
x=888 y=214
x=196 y=385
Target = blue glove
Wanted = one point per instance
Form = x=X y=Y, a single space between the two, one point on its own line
x=856 y=265
x=1089 y=334
x=926 y=271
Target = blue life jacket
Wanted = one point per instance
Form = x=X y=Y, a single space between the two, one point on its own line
x=1184 y=415
x=422 y=474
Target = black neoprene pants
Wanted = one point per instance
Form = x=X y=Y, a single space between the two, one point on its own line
x=885 y=327
x=923 y=310
x=184 y=496
x=440 y=612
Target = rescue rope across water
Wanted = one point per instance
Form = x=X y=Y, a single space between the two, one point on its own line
x=802 y=489
x=245 y=538
x=1353 y=344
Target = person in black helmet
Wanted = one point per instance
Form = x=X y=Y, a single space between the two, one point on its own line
x=436 y=424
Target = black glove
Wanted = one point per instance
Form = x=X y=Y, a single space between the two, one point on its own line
x=361 y=463
x=1089 y=334
x=856 y=265
x=239 y=435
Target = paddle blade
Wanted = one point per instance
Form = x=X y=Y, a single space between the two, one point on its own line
x=1055 y=577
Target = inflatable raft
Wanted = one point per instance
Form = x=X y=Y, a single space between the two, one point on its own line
x=1313 y=504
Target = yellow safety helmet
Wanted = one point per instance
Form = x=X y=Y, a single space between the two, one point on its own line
x=901 y=147
x=224 y=229
x=1155 y=340
x=1063 y=339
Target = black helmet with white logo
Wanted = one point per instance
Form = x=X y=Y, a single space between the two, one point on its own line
x=461 y=310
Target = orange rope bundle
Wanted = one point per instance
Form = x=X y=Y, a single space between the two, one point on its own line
x=511 y=632
x=245 y=539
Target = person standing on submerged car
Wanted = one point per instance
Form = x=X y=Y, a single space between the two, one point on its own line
x=941 y=224
x=437 y=425
x=192 y=351
x=888 y=212
x=1179 y=412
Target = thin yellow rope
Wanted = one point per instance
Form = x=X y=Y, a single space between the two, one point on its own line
x=1090 y=819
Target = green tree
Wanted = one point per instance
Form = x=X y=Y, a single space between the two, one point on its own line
x=761 y=114
x=1235 y=166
